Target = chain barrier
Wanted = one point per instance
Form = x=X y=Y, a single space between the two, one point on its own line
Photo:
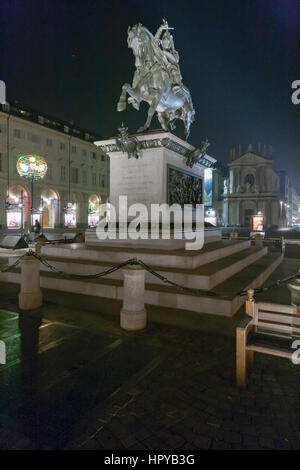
x=10 y=267
x=278 y=283
x=130 y=262
x=165 y=280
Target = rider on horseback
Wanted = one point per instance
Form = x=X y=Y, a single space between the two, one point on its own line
x=170 y=55
x=157 y=79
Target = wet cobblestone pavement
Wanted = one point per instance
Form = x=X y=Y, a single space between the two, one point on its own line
x=76 y=381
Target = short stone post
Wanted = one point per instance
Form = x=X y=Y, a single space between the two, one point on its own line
x=42 y=240
x=30 y=296
x=294 y=288
x=250 y=302
x=259 y=240
x=133 y=315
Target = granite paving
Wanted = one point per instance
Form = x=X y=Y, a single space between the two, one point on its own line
x=74 y=380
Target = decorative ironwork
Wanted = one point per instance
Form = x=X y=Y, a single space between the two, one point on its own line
x=184 y=188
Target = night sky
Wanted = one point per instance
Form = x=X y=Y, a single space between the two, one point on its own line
x=69 y=58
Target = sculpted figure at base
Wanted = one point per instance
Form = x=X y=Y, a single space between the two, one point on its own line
x=157 y=79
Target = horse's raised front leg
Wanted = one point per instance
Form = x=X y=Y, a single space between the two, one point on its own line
x=151 y=111
x=121 y=106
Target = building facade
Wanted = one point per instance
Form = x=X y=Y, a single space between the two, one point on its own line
x=294 y=213
x=253 y=186
x=290 y=199
x=77 y=178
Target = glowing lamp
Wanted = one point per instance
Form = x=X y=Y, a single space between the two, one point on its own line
x=32 y=167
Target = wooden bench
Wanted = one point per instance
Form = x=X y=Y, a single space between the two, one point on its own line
x=268 y=329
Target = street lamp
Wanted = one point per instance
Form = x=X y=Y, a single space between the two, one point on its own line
x=33 y=168
x=281 y=202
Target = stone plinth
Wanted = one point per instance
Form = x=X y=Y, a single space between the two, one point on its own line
x=294 y=288
x=146 y=180
x=30 y=296
x=163 y=174
x=133 y=315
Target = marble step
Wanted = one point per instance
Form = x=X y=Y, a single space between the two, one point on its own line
x=204 y=277
x=158 y=258
x=167 y=296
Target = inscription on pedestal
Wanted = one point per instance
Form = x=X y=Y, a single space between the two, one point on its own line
x=138 y=181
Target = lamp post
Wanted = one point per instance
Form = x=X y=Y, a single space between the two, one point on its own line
x=288 y=214
x=32 y=168
x=281 y=202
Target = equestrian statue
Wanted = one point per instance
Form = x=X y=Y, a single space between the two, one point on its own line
x=157 y=79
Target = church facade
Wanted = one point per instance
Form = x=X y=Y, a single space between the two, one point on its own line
x=253 y=186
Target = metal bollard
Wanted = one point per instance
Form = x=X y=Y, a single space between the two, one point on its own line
x=30 y=296
x=133 y=316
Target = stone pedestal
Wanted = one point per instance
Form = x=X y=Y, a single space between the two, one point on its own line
x=163 y=174
x=133 y=315
x=294 y=288
x=30 y=296
x=146 y=180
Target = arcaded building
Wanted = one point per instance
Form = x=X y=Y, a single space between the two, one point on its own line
x=77 y=179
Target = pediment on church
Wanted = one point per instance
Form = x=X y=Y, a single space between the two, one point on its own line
x=249 y=158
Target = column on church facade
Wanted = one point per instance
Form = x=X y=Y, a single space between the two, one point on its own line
x=231 y=181
x=3 y=190
x=238 y=220
x=232 y=212
x=225 y=212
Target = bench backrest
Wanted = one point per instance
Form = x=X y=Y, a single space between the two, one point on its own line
x=276 y=319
